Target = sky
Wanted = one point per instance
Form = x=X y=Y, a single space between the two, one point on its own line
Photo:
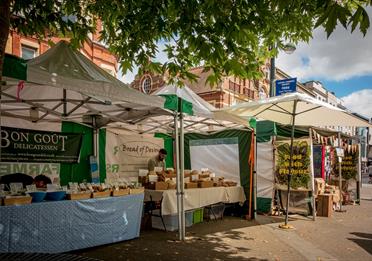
x=343 y=63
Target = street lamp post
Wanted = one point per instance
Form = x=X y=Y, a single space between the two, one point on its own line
x=272 y=76
x=288 y=48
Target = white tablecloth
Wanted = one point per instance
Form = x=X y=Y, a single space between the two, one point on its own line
x=195 y=198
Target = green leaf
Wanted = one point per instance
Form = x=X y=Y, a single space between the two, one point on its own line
x=364 y=25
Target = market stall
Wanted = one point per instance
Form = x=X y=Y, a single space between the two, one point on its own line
x=324 y=165
x=62 y=85
x=192 y=114
x=294 y=109
x=64 y=93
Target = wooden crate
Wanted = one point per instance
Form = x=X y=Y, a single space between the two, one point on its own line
x=79 y=196
x=120 y=192
x=17 y=201
x=137 y=190
x=102 y=194
x=325 y=205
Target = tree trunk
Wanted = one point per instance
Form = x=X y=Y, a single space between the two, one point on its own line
x=4 y=30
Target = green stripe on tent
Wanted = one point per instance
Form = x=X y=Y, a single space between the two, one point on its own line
x=172 y=103
x=265 y=129
x=14 y=67
x=80 y=171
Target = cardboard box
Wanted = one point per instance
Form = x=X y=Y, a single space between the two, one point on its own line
x=137 y=190
x=205 y=184
x=79 y=196
x=160 y=185
x=21 y=200
x=324 y=206
x=191 y=185
x=101 y=194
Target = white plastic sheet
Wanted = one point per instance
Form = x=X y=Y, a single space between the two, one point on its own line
x=265 y=170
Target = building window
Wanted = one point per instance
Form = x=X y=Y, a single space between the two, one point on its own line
x=28 y=52
x=146 y=84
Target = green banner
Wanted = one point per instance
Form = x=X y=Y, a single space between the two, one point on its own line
x=23 y=145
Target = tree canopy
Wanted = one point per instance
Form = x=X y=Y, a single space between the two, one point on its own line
x=227 y=37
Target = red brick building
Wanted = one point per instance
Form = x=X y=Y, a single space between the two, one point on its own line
x=30 y=47
x=229 y=91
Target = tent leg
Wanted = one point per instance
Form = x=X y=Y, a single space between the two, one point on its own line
x=182 y=169
x=290 y=166
x=255 y=177
x=312 y=175
x=340 y=173
x=178 y=192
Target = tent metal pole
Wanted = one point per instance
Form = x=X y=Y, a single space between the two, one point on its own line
x=182 y=170
x=340 y=171
x=359 y=181
x=255 y=175
x=178 y=192
x=64 y=103
x=312 y=173
x=290 y=162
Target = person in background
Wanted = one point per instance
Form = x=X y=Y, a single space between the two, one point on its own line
x=158 y=160
x=16 y=178
x=41 y=181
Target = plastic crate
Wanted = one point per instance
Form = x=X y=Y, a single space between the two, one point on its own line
x=198 y=216
x=171 y=221
x=214 y=212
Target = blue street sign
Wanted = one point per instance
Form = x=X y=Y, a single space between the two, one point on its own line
x=285 y=86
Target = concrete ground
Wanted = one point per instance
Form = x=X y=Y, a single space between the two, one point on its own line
x=344 y=236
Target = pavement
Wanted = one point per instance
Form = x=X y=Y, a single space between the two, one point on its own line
x=344 y=236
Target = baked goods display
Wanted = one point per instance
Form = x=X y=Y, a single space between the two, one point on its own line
x=167 y=179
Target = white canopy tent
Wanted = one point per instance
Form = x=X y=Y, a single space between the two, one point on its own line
x=295 y=109
x=62 y=84
x=307 y=110
x=203 y=118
